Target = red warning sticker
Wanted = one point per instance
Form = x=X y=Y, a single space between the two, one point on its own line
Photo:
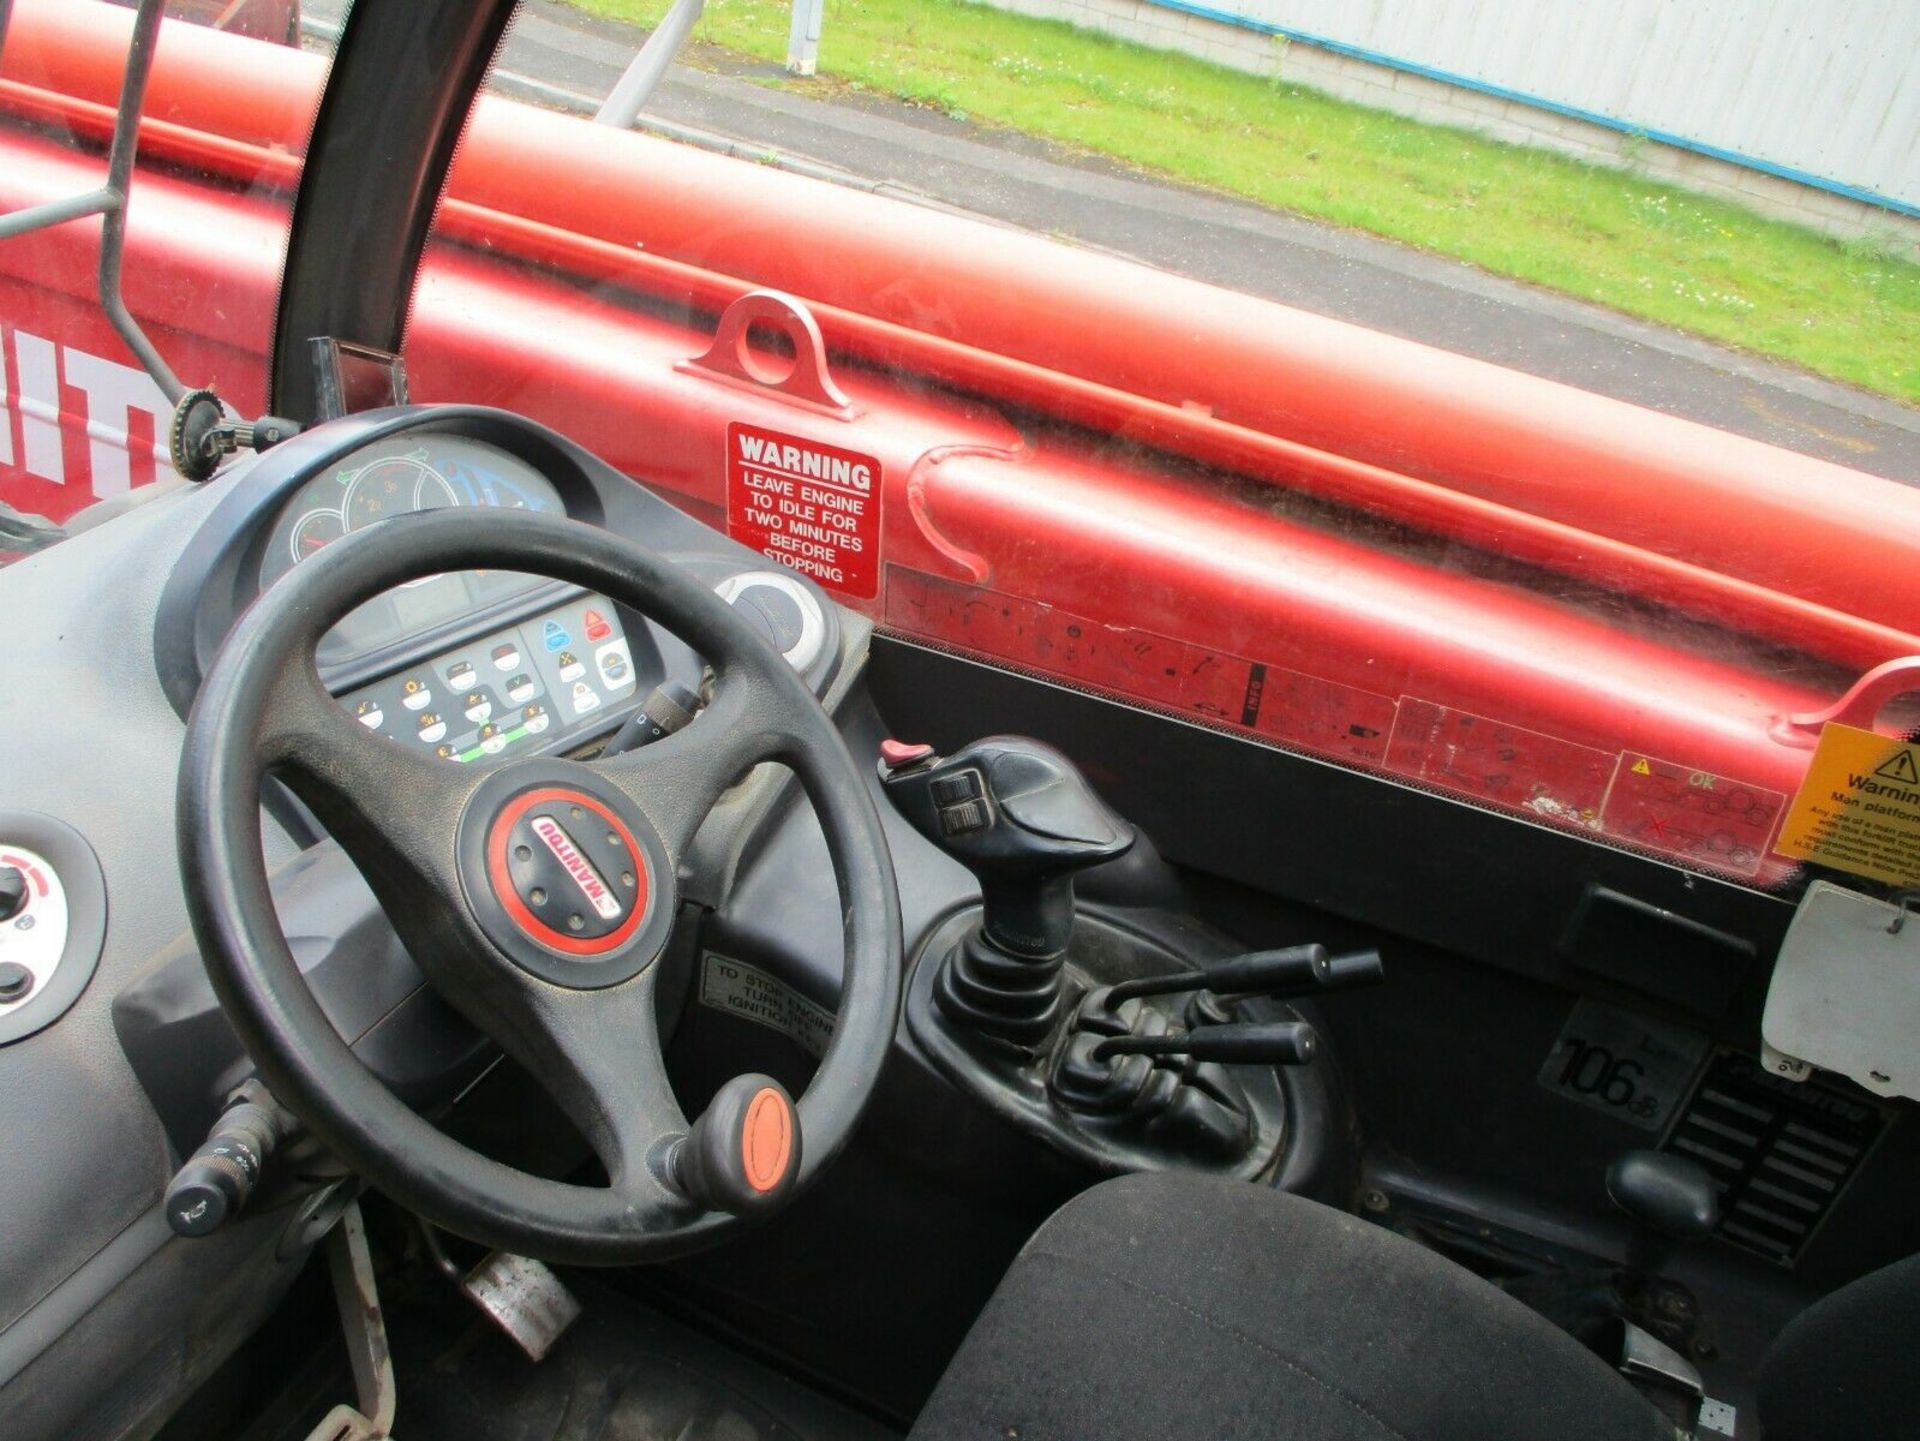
x=1705 y=818
x=812 y=507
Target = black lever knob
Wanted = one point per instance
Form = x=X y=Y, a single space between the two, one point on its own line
x=743 y=1154
x=1293 y=971
x=1022 y=818
x=1272 y=1043
x=1668 y=1195
x=217 y=1180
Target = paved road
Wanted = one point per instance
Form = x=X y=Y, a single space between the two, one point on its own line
x=560 y=57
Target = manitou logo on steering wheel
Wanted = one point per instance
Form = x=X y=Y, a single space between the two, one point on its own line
x=578 y=866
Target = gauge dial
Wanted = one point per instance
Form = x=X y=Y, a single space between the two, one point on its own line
x=395 y=478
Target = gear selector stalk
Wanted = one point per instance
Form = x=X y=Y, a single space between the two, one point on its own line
x=1022 y=818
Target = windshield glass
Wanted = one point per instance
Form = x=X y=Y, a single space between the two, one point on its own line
x=1492 y=432
x=206 y=224
x=1379 y=386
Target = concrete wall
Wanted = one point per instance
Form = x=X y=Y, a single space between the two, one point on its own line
x=1502 y=118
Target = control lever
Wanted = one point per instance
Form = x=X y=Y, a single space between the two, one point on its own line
x=1213 y=1006
x=669 y=707
x=1294 y=971
x=1022 y=818
x=214 y=1185
x=1270 y=1043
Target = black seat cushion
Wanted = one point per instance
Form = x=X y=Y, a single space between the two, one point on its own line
x=1183 y=1307
x=1844 y=1367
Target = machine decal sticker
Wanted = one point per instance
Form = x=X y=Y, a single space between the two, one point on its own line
x=1301 y=710
x=1495 y=761
x=1858 y=810
x=1708 y=819
x=751 y=994
x=812 y=507
x=1705 y=819
x=1635 y=1069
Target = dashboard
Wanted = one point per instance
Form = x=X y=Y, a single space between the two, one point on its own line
x=470 y=665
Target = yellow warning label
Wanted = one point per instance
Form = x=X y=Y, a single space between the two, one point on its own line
x=1859 y=807
x=1641 y=768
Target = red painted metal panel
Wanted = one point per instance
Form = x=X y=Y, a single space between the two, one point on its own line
x=1034 y=414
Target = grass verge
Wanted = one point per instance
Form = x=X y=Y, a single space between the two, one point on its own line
x=1849 y=311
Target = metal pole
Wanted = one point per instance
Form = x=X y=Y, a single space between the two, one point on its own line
x=803 y=37
x=648 y=68
x=113 y=226
x=55 y=212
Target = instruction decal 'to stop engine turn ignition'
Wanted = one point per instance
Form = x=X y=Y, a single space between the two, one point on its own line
x=812 y=507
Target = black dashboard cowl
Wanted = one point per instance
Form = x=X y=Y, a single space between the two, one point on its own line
x=188 y=1058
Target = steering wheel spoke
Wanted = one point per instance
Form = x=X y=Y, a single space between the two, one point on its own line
x=537 y=893
x=597 y=1053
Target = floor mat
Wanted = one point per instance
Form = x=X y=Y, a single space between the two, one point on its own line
x=623 y=1372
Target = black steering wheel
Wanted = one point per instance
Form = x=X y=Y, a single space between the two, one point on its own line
x=536 y=895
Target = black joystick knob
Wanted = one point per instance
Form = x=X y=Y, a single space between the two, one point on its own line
x=743 y=1154
x=13 y=892
x=1670 y=1199
x=1022 y=818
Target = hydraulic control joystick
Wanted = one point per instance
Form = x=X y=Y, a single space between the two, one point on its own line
x=1022 y=818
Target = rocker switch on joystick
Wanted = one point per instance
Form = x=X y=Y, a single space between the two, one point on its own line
x=1022 y=818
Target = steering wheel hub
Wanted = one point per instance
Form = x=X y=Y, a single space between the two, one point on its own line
x=565 y=874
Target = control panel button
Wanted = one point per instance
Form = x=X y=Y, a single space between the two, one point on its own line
x=556 y=636
x=13 y=892
x=432 y=728
x=415 y=694
x=369 y=714
x=34 y=921
x=506 y=656
x=570 y=667
x=902 y=755
x=461 y=675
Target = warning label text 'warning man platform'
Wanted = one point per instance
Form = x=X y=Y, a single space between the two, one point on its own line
x=1859 y=808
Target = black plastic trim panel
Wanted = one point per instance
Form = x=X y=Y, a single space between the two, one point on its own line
x=1494 y=888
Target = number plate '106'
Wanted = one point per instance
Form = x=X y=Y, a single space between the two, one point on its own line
x=1636 y=1069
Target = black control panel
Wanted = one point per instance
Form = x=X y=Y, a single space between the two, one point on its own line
x=521 y=686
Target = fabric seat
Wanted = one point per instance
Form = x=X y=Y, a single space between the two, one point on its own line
x=1173 y=1306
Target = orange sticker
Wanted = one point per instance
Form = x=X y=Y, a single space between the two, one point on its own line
x=1859 y=807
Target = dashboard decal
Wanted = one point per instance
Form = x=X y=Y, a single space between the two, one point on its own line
x=1492 y=760
x=812 y=507
x=1859 y=808
x=1711 y=821
x=1693 y=814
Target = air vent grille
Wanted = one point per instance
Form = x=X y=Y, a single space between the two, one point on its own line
x=1782 y=1152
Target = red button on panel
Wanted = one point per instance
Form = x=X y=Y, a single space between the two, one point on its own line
x=898 y=755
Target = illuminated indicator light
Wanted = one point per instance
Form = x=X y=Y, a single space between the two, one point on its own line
x=556 y=636
x=595 y=625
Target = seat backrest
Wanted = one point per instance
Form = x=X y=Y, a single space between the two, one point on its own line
x=1845 y=1366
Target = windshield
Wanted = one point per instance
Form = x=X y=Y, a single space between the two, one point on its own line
x=1377 y=385
x=206 y=220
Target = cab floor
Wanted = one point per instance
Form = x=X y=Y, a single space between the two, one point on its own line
x=622 y=1372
